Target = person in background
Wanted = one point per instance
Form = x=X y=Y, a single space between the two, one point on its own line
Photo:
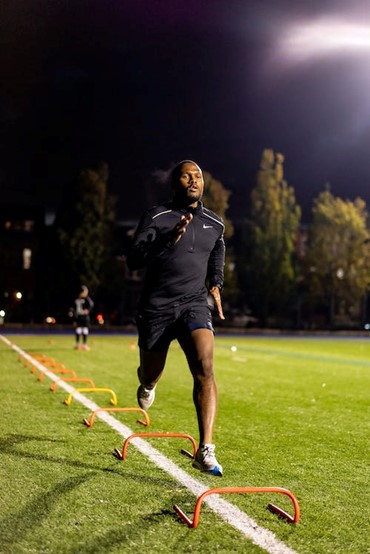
x=83 y=306
x=181 y=245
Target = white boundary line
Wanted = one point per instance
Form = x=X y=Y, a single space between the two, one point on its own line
x=228 y=512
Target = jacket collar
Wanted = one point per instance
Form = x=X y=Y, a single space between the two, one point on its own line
x=196 y=210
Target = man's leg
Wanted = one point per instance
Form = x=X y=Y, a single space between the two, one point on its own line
x=198 y=348
x=85 y=334
x=149 y=372
x=78 y=332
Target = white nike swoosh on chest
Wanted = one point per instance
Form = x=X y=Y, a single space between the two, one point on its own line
x=207 y=226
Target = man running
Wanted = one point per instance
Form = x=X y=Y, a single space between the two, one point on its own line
x=181 y=244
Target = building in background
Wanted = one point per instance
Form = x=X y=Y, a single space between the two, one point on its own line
x=21 y=231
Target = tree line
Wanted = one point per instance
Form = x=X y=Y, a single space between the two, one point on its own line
x=278 y=270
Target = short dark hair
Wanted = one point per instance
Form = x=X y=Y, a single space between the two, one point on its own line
x=176 y=171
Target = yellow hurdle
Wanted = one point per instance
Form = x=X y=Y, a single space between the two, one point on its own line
x=113 y=399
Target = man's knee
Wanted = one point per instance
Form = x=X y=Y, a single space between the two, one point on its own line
x=203 y=372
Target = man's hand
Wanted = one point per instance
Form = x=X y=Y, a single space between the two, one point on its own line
x=215 y=293
x=181 y=227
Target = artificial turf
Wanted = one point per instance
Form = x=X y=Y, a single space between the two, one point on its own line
x=293 y=413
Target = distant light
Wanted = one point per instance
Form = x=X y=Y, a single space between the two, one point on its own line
x=27 y=257
x=340 y=273
x=100 y=319
x=367 y=326
x=49 y=217
x=2 y=313
x=50 y=320
x=18 y=295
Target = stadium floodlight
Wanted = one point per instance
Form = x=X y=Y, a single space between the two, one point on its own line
x=325 y=36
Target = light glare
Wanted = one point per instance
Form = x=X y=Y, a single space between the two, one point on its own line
x=322 y=37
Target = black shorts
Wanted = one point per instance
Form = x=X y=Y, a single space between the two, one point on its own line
x=158 y=329
x=83 y=321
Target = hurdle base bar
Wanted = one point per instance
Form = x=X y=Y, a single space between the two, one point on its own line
x=187 y=453
x=223 y=490
x=90 y=422
x=122 y=455
x=117 y=453
x=282 y=513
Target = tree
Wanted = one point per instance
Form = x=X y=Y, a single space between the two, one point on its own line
x=86 y=228
x=338 y=261
x=272 y=229
x=216 y=198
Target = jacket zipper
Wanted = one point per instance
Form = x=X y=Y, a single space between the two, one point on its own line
x=192 y=247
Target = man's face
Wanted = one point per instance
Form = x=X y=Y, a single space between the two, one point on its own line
x=190 y=185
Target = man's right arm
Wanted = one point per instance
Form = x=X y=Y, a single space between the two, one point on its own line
x=142 y=243
x=148 y=243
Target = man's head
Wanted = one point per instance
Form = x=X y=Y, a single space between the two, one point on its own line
x=187 y=183
x=84 y=291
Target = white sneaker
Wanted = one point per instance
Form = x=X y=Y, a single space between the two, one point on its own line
x=145 y=397
x=205 y=460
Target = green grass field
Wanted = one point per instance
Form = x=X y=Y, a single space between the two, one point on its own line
x=293 y=413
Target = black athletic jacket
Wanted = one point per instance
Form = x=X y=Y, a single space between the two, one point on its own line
x=181 y=270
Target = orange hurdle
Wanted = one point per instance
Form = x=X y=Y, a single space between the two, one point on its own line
x=113 y=399
x=35 y=356
x=90 y=422
x=122 y=456
x=72 y=379
x=223 y=490
x=64 y=371
x=48 y=363
x=44 y=360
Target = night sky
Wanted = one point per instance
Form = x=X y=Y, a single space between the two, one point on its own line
x=145 y=83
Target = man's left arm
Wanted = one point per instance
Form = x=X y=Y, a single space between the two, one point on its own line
x=215 y=273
